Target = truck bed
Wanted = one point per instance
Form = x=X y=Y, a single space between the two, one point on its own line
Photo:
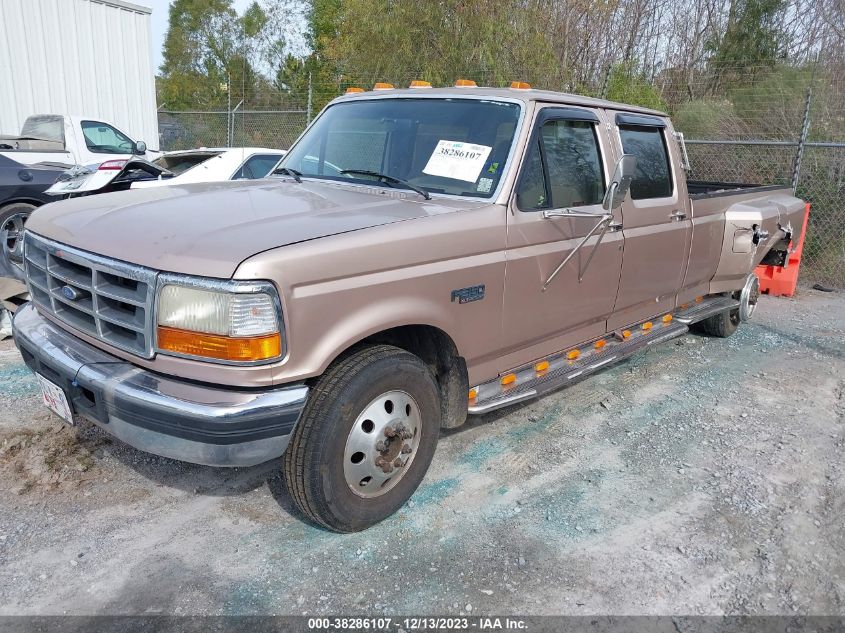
x=699 y=189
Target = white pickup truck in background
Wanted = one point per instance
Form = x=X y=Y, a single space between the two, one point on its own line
x=71 y=140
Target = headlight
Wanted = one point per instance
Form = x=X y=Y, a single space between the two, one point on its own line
x=234 y=321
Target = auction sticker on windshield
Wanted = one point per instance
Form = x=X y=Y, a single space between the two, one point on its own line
x=457 y=160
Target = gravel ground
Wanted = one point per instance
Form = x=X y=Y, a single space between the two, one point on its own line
x=702 y=477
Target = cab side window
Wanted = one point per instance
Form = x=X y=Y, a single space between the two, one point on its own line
x=563 y=168
x=257 y=166
x=102 y=138
x=653 y=177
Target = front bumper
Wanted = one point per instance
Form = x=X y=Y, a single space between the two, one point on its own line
x=189 y=421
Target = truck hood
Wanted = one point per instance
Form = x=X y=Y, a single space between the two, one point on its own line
x=208 y=229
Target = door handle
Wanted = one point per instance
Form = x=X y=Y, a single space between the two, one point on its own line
x=677 y=215
x=614 y=226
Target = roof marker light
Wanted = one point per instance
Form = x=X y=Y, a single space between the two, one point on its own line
x=520 y=85
x=667 y=318
x=626 y=334
x=383 y=86
x=648 y=325
x=353 y=90
x=573 y=354
x=508 y=379
x=417 y=83
x=465 y=83
x=600 y=343
x=542 y=366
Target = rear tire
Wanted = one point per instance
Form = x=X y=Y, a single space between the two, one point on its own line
x=721 y=325
x=335 y=466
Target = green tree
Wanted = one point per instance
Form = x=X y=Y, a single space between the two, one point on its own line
x=752 y=41
x=209 y=50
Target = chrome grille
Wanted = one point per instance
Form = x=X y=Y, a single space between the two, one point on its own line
x=105 y=298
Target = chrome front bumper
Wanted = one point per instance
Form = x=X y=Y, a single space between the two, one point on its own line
x=192 y=422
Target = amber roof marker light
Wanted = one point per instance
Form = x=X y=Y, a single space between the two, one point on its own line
x=381 y=85
x=520 y=85
x=354 y=90
x=418 y=83
x=465 y=83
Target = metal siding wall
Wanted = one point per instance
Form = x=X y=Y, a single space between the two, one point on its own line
x=77 y=57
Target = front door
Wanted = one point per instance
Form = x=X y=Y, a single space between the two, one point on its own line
x=565 y=166
x=655 y=225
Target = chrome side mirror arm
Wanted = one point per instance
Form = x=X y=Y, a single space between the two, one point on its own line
x=600 y=227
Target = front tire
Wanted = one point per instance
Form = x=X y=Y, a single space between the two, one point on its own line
x=365 y=439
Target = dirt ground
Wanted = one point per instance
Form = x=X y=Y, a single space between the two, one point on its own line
x=701 y=477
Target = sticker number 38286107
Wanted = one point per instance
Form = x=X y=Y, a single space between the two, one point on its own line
x=457 y=160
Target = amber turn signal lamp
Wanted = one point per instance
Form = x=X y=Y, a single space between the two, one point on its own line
x=473 y=394
x=251 y=348
x=353 y=90
x=417 y=83
x=508 y=379
x=465 y=83
x=520 y=85
x=383 y=86
x=542 y=366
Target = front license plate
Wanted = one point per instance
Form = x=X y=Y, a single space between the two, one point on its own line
x=55 y=399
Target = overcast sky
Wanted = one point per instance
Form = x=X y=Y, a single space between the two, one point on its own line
x=159 y=23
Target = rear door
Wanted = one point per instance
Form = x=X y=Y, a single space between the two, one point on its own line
x=656 y=228
x=565 y=166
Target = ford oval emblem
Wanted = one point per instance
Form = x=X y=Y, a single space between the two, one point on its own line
x=70 y=293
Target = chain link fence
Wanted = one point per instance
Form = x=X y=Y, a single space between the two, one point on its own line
x=275 y=129
x=821 y=182
x=750 y=133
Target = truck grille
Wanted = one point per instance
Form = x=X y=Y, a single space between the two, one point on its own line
x=102 y=297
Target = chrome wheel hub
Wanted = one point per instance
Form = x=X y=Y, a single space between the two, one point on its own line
x=12 y=236
x=382 y=444
x=748 y=297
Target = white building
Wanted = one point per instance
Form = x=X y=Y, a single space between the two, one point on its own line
x=91 y=58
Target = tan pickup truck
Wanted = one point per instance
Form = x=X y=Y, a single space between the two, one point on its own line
x=423 y=254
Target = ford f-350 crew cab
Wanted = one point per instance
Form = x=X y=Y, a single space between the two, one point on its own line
x=425 y=254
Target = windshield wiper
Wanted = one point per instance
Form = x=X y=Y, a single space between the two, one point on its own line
x=297 y=176
x=388 y=180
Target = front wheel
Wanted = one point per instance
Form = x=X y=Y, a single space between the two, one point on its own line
x=365 y=438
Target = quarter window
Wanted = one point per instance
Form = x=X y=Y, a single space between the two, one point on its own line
x=563 y=168
x=653 y=178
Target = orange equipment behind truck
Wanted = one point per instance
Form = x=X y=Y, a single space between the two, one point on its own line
x=781 y=281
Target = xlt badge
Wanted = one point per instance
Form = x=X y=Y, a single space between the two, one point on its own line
x=465 y=295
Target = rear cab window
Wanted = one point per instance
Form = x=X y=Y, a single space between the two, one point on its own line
x=644 y=137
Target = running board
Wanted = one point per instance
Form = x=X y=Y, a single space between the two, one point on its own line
x=567 y=367
x=706 y=307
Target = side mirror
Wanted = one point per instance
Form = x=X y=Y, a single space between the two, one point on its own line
x=140 y=148
x=623 y=175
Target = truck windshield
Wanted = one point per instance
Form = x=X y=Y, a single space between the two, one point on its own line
x=450 y=146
